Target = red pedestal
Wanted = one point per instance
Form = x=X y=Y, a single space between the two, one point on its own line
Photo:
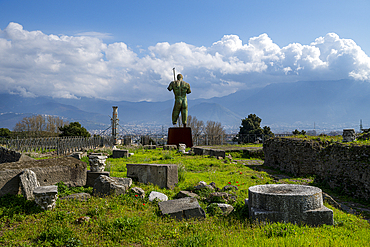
x=178 y=135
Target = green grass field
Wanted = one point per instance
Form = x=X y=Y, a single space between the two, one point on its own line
x=129 y=221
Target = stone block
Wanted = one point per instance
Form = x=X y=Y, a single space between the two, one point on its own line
x=184 y=208
x=217 y=153
x=210 y=152
x=91 y=176
x=157 y=195
x=288 y=203
x=77 y=155
x=225 y=208
x=46 y=196
x=124 y=181
x=120 y=153
x=48 y=172
x=184 y=193
x=28 y=183
x=182 y=148
x=163 y=175
x=169 y=147
x=138 y=192
x=203 y=185
x=199 y=151
x=105 y=186
x=150 y=147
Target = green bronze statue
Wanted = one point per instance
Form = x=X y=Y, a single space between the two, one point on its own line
x=180 y=89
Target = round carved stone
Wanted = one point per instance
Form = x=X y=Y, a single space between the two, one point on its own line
x=288 y=203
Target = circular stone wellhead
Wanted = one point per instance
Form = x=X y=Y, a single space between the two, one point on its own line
x=288 y=203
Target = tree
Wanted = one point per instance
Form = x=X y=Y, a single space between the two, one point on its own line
x=214 y=133
x=297 y=132
x=74 y=129
x=38 y=126
x=197 y=128
x=251 y=131
x=4 y=132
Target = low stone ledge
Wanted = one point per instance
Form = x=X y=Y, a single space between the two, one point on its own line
x=210 y=152
x=48 y=172
x=7 y=156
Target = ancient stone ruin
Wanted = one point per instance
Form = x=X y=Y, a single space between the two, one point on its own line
x=46 y=196
x=48 y=172
x=184 y=208
x=349 y=135
x=292 y=203
x=163 y=175
x=97 y=162
x=337 y=165
x=28 y=183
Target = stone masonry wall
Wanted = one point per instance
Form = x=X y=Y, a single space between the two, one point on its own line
x=48 y=172
x=340 y=166
x=7 y=155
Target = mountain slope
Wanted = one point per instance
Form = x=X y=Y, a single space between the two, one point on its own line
x=334 y=104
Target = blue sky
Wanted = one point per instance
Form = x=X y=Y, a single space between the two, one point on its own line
x=91 y=48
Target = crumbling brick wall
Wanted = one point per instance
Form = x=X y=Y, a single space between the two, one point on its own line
x=340 y=166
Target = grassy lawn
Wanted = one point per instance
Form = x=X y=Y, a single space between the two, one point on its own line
x=130 y=221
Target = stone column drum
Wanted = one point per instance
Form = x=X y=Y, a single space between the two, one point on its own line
x=297 y=204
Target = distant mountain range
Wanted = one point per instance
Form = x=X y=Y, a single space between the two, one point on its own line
x=327 y=104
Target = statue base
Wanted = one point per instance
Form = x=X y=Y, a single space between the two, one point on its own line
x=178 y=135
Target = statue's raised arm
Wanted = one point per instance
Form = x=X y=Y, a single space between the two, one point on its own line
x=180 y=89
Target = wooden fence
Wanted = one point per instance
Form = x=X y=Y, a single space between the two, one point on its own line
x=62 y=145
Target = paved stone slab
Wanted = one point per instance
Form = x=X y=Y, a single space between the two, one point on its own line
x=184 y=208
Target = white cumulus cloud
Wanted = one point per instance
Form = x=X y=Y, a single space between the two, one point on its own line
x=33 y=63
